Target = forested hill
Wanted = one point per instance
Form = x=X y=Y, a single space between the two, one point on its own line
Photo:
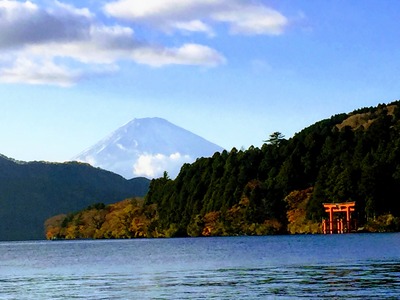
x=32 y=192
x=278 y=188
x=349 y=157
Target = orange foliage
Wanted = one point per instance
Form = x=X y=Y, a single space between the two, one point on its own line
x=297 y=204
x=125 y=219
x=212 y=224
x=53 y=226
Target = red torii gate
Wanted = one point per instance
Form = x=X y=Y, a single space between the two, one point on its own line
x=339 y=227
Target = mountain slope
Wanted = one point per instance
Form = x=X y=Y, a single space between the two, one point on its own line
x=147 y=147
x=278 y=188
x=349 y=157
x=32 y=192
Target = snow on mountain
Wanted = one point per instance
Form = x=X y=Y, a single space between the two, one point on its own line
x=147 y=147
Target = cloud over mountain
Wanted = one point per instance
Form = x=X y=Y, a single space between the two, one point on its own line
x=154 y=165
x=147 y=147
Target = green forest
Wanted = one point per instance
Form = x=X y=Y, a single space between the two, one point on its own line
x=276 y=189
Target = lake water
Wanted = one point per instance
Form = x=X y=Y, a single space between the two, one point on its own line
x=352 y=266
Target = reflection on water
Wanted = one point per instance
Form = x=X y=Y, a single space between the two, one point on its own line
x=226 y=268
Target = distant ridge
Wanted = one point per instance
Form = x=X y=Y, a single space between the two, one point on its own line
x=31 y=192
x=147 y=147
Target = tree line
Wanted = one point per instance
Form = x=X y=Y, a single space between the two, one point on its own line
x=280 y=187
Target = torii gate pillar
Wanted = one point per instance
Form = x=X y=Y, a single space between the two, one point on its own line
x=337 y=227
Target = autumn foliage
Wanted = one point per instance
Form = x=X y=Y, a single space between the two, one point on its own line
x=125 y=219
x=297 y=202
x=131 y=218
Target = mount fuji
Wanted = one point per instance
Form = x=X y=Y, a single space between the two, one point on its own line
x=146 y=148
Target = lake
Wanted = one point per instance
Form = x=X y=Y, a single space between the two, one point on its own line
x=357 y=266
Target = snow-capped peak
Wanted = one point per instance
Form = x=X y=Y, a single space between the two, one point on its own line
x=147 y=147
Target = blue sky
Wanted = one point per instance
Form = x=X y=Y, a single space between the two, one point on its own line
x=231 y=71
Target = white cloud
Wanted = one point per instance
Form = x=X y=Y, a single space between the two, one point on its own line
x=188 y=54
x=36 y=39
x=85 y=12
x=242 y=16
x=24 y=23
x=60 y=44
x=90 y=160
x=153 y=166
x=152 y=9
x=194 y=26
x=255 y=19
x=44 y=72
x=102 y=45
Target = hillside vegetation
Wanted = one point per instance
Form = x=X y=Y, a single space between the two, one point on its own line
x=32 y=192
x=280 y=187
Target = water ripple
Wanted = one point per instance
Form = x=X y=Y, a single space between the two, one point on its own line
x=199 y=269
x=372 y=281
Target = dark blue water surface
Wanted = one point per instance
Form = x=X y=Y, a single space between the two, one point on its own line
x=352 y=266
